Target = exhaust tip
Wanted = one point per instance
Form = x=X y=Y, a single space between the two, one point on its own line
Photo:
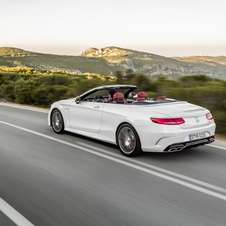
x=176 y=147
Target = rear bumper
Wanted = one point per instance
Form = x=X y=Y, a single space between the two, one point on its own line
x=190 y=144
x=165 y=137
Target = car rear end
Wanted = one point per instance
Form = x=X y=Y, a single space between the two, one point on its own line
x=174 y=127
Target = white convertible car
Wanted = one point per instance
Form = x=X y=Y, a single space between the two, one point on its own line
x=133 y=121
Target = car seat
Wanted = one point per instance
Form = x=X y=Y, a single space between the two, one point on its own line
x=119 y=98
x=142 y=96
x=161 y=98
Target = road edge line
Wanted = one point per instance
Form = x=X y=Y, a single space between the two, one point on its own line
x=13 y=214
x=31 y=108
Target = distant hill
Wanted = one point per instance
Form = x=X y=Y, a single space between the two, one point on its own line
x=110 y=59
x=214 y=61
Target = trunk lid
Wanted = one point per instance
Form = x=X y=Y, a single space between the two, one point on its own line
x=193 y=115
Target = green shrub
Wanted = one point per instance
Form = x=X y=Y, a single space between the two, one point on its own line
x=23 y=91
x=49 y=80
x=45 y=95
x=219 y=118
x=2 y=79
x=8 y=91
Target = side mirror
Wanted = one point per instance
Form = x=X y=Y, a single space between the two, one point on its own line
x=77 y=100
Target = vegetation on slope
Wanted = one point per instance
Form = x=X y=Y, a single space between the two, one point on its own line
x=12 y=57
x=110 y=59
x=209 y=60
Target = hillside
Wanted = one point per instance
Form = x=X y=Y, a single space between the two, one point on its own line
x=152 y=64
x=214 y=61
x=13 y=57
x=110 y=59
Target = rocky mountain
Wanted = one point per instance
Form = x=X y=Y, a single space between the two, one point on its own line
x=110 y=59
x=152 y=65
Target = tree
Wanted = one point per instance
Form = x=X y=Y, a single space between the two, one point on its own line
x=119 y=76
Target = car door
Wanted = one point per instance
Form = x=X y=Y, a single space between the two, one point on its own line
x=86 y=116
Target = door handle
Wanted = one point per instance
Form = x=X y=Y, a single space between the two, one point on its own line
x=96 y=106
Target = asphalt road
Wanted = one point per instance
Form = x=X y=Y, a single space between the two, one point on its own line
x=67 y=179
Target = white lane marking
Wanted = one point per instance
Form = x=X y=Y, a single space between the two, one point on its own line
x=157 y=168
x=15 y=216
x=126 y=163
x=214 y=146
x=25 y=107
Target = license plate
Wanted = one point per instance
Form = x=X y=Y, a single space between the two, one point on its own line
x=196 y=136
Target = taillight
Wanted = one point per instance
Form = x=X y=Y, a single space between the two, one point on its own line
x=209 y=116
x=168 y=121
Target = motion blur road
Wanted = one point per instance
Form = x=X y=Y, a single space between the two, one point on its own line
x=68 y=179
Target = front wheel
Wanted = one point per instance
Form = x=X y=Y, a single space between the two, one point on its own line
x=128 y=140
x=57 y=121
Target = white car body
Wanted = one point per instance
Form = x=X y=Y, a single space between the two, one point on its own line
x=101 y=120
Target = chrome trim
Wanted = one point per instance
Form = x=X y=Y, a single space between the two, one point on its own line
x=193 y=116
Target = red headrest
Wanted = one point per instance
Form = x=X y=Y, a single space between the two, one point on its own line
x=161 y=98
x=119 y=98
x=140 y=99
x=142 y=95
x=118 y=95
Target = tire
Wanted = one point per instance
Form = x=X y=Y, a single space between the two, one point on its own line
x=128 y=141
x=57 y=121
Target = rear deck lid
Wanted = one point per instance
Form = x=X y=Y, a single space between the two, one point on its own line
x=193 y=115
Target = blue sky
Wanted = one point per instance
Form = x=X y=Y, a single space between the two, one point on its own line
x=69 y=27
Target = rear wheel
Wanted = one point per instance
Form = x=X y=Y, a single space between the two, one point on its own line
x=128 y=140
x=57 y=121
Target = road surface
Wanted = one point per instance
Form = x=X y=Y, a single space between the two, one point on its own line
x=68 y=180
